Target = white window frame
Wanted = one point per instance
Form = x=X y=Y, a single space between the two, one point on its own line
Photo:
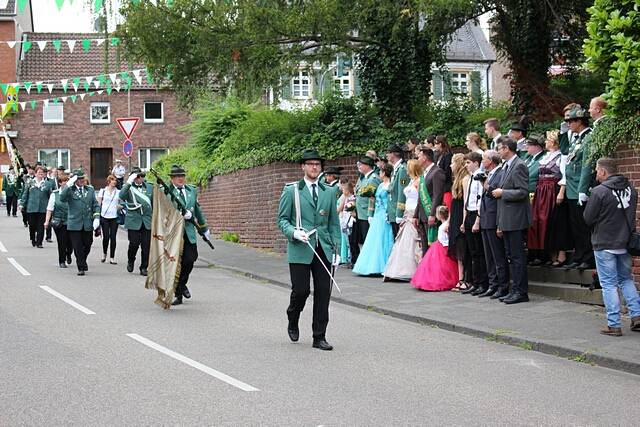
x=304 y=80
x=100 y=121
x=45 y=108
x=147 y=151
x=345 y=90
x=59 y=156
x=457 y=80
x=161 y=119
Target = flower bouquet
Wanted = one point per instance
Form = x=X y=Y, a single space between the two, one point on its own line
x=368 y=190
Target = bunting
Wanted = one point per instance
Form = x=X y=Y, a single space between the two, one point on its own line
x=86 y=44
x=97 y=4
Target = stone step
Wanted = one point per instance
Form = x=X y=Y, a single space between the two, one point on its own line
x=559 y=275
x=567 y=292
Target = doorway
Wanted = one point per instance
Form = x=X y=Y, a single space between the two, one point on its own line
x=101 y=159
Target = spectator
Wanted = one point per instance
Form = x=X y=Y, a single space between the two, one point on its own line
x=346 y=213
x=514 y=217
x=411 y=146
x=429 y=142
x=611 y=212
x=492 y=130
x=457 y=247
x=596 y=109
x=518 y=132
x=566 y=134
x=34 y=200
x=558 y=235
x=399 y=180
x=119 y=171
x=11 y=187
x=365 y=197
x=109 y=204
x=430 y=193
x=444 y=155
x=475 y=143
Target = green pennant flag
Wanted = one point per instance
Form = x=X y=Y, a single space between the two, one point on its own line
x=115 y=41
x=73 y=98
x=135 y=2
x=91 y=93
x=33 y=104
x=86 y=85
x=57 y=44
x=86 y=45
x=97 y=4
x=27 y=86
x=109 y=89
x=76 y=81
x=59 y=3
x=26 y=46
x=55 y=101
x=4 y=87
x=39 y=87
x=22 y=4
x=149 y=76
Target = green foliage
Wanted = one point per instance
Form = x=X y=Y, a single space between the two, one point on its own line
x=229 y=236
x=578 y=87
x=612 y=132
x=613 y=49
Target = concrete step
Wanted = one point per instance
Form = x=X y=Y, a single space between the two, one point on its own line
x=567 y=292
x=559 y=275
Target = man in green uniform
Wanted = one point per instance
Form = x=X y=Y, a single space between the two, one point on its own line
x=578 y=176
x=188 y=196
x=11 y=187
x=365 y=191
x=399 y=180
x=57 y=213
x=308 y=218
x=535 y=152
x=83 y=217
x=137 y=194
x=35 y=196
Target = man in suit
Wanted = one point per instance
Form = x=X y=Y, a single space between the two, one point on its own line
x=11 y=187
x=332 y=179
x=514 y=217
x=495 y=258
x=318 y=229
x=194 y=217
x=34 y=200
x=399 y=180
x=137 y=194
x=365 y=202
x=83 y=217
x=492 y=130
x=431 y=192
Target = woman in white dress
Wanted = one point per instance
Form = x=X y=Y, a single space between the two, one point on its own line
x=406 y=252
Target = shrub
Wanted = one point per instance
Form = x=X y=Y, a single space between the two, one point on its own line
x=228 y=236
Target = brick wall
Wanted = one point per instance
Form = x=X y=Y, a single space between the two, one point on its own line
x=629 y=166
x=8 y=55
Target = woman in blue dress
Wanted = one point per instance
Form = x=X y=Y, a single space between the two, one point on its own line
x=379 y=242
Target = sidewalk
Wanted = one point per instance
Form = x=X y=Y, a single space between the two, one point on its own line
x=546 y=325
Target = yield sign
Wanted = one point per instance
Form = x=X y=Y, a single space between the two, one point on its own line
x=128 y=125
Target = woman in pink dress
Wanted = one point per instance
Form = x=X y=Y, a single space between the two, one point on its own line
x=437 y=271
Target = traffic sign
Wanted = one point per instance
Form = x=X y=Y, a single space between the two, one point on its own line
x=127 y=148
x=128 y=125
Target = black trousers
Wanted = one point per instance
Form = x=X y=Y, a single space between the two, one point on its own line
x=64 y=244
x=189 y=257
x=47 y=232
x=12 y=205
x=36 y=227
x=395 y=227
x=496 y=260
x=139 y=239
x=476 y=249
x=81 y=242
x=25 y=217
x=423 y=232
x=109 y=232
x=358 y=236
x=514 y=249
x=581 y=234
x=300 y=290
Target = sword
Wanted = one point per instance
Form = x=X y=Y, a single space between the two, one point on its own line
x=324 y=266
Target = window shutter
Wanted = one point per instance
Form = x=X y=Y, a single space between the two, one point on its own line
x=476 y=86
x=357 y=89
x=316 y=92
x=286 y=87
x=437 y=86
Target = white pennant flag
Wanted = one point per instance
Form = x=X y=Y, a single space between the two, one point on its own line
x=96 y=84
x=138 y=76
x=99 y=41
x=117 y=88
x=50 y=87
x=65 y=82
x=75 y=86
x=100 y=92
x=82 y=95
x=46 y=102
x=42 y=44
x=23 y=105
x=11 y=44
x=113 y=76
x=28 y=89
x=16 y=86
x=64 y=99
x=71 y=44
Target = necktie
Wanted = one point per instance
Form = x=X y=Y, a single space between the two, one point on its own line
x=315 y=194
x=182 y=194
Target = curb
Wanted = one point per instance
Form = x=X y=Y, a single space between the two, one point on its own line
x=539 y=346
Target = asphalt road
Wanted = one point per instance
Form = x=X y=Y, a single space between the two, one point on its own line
x=224 y=358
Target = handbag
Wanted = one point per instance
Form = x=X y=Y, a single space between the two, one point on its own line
x=121 y=216
x=56 y=223
x=633 y=246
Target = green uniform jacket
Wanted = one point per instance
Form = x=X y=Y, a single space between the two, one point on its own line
x=335 y=187
x=82 y=209
x=13 y=189
x=60 y=209
x=191 y=204
x=578 y=172
x=137 y=216
x=323 y=218
x=35 y=199
x=564 y=142
x=397 y=199
x=364 y=208
x=533 y=164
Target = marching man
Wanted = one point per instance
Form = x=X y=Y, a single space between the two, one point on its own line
x=308 y=218
x=138 y=196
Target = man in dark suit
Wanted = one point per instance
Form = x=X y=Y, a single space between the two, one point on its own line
x=495 y=258
x=431 y=191
x=514 y=217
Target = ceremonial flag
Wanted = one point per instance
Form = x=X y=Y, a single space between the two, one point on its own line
x=167 y=230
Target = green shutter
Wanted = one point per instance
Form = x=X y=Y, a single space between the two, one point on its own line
x=357 y=88
x=286 y=87
x=317 y=93
x=437 y=85
x=476 y=87
x=446 y=86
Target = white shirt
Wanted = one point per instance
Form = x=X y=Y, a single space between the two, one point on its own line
x=475 y=193
x=309 y=183
x=426 y=171
x=109 y=206
x=495 y=141
x=52 y=202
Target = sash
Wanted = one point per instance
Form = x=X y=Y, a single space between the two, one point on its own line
x=135 y=193
x=425 y=199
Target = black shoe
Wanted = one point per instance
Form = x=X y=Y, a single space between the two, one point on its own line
x=39 y=246
x=63 y=265
x=516 y=298
x=81 y=273
x=507 y=296
x=186 y=293
x=177 y=301
x=470 y=290
x=500 y=293
x=143 y=271
x=130 y=266
x=104 y=258
x=571 y=266
x=492 y=290
x=49 y=241
x=584 y=266
x=33 y=243
x=479 y=291
x=322 y=345
x=536 y=262
x=69 y=259
x=292 y=330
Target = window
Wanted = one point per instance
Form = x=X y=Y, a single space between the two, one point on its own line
x=53 y=113
x=146 y=156
x=100 y=112
x=301 y=85
x=460 y=83
x=343 y=84
x=153 y=112
x=55 y=157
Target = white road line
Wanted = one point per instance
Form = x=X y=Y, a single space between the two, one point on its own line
x=19 y=267
x=2 y=248
x=199 y=366
x=69 y=301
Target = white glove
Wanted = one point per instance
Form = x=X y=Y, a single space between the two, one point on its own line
x=132 y=178
x=96 y=223
x=207 y=235
x=582 y=199
x=187 y=215
x=399 y=220
x=336 y=260
x=564 y=127
x=369 y=219
x=72 y=181
x=300 y=235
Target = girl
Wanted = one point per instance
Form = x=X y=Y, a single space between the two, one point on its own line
x=346 y=212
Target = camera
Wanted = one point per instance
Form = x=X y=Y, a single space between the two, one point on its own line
x=480 y=177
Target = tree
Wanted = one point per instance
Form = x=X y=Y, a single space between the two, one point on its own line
x=246 y=45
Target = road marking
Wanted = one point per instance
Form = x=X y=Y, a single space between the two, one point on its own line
x=69 y=301
x=2 y=248
x=199 y=366
x=19 y=267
